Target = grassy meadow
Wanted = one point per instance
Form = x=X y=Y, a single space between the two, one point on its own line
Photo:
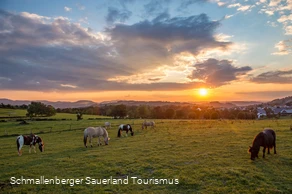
x=206 y=156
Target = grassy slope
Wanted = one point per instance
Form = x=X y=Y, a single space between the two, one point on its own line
x=4 y=112
x=206 y=157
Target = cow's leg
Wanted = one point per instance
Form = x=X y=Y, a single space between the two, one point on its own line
x=264 y=151
x=275 y=147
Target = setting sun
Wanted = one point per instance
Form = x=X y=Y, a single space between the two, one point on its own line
x=203 y=92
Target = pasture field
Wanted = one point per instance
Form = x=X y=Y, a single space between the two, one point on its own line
x=205 y=156
x=4 y=112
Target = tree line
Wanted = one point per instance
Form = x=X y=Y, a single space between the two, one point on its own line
x=24 y=106
x=143 y=111
x=165 y=112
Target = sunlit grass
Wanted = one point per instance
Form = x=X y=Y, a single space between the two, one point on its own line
x=5 y=112
x=206 y=157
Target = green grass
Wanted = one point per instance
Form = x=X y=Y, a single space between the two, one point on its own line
x=5 y=112
x=205 y=156
x=74 y=117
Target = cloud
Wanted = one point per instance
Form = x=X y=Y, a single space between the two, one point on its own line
x=217 y=73
x=269 y=12
x=288 y=30
x=265 y=94
x=285 y=18
x=115 y=14
x=284 y=47
x=228 y=16
x=219 y=3
x=274 y=2
x=244 y=8
x=154 y=79
x=34 y=16
x=278 y=77
x=155 y=7
x=167 y=35
x=50 y=54
x=187 y=3
x=234 y=5
x=124 y=3
x=241 y=7
x=68 y=85
x=67 y=9
x=272 y=24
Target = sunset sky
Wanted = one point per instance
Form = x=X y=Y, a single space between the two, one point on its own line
x=164 y=50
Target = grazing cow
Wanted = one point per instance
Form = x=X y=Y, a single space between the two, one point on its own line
x=266 y=139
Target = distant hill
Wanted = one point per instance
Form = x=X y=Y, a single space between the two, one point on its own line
x=281 y=102
x=87 y=103
x=245 y=103
x=58 y=104
x=148 y=103
x=215 y=104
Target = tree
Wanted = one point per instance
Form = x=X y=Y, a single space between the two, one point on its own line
x=50 y=111
x=215 y=115
x=241 y=115
x=119 y=111
x=132 y=112
x=24 y=106
x=157 y=112
x=143 y=111
x=40 y=109
x=79 y=116
x=181 y=114
x=169 y=113
x=192 y=115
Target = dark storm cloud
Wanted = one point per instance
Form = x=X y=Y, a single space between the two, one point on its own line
x=41 y=54
x=217 y=73
x=279 y=77
x=115 y=14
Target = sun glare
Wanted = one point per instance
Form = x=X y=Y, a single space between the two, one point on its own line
x=203 y=92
